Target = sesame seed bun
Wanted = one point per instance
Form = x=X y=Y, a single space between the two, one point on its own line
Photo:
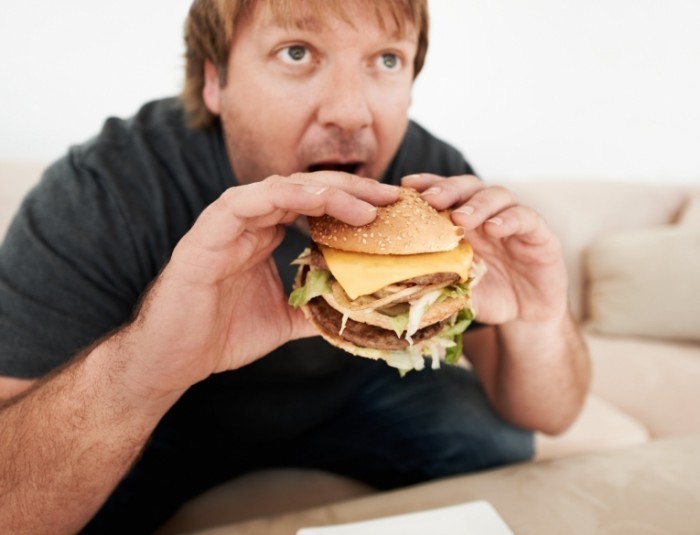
x=408 y=226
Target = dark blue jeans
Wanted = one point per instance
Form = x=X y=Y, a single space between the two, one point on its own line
x=371 y=425
x=427 y=425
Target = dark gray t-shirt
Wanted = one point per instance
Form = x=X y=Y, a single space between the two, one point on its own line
x=95 y=232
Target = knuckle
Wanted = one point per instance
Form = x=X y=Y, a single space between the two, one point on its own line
x=479 y=198
x=495 y=197
x=466 y=180
x=274 y=185
x=353 y=180
x=453 y=181
x=272 y=181
x=503 y=192
x=229 y=195
x=294 y=177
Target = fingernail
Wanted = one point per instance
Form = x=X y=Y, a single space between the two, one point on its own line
x=314 y=190
x=411 y=177
x=467 y=209
x=388 y=187
x=370 y=208
x=495 y=221
x=434 y=190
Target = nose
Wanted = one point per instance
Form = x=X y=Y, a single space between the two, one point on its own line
x=345 y=103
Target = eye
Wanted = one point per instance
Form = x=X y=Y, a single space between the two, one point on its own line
x=389 y=61
x=295 y=55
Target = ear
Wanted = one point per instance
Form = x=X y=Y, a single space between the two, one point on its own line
x=211 y=92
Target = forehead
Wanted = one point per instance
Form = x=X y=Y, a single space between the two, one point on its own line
x=395 y=17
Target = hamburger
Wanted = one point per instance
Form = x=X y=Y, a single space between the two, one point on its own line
x=397 y=289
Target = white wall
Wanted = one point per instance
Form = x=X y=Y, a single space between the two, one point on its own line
x=582 y=88
x=534 y=88
x=66 y=66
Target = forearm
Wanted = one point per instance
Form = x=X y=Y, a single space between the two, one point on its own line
x=68 y=441
x=536 y=374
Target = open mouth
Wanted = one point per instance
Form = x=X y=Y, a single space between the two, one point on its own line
x=350 y=167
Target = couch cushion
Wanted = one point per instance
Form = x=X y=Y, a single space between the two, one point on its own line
x=645 y=283
x=263 y=493
x=652 y=488
x=599 y=426
x=654 y=382
x=691 y=213
x=581 y=211
x=16 y=179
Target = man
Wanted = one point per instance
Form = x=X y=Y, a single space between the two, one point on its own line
x=147 y=348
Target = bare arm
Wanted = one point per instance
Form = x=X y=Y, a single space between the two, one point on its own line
x=68 y=440
x=535 y=375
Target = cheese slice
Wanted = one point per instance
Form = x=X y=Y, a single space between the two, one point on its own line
x=362 y=274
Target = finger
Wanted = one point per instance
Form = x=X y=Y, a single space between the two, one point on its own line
x=271 y=201
x=519 y=221
x=349 y=198
x=346 y=197
x=443 y=193
x=376 y=193
x=482 y=206
x=301 y=327
x=367 y=189
x=421 y=181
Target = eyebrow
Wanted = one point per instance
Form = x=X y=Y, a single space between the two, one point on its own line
x=314 y=23
x=307 y=23
x=300 y=23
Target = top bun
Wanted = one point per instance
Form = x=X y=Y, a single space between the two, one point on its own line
x=409 y=226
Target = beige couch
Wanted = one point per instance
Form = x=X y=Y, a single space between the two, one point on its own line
x=633 y=253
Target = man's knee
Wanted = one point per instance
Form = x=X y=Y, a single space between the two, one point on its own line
x=465 y=449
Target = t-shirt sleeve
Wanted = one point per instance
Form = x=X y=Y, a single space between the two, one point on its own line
x=67 y=269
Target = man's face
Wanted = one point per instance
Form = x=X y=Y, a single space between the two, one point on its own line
x=319 y=95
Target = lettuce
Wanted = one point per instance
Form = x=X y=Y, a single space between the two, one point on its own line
x=405 y=360
x=317 y=283
x=452 y=354
x=399 y=323
x=456 y=290
x=418 y=309
x=464 y=319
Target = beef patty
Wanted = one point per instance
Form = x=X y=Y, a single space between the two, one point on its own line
x=361 y=334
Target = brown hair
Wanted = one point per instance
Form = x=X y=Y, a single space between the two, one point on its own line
x=211 y=24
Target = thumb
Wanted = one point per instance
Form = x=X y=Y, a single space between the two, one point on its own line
x=301 y=327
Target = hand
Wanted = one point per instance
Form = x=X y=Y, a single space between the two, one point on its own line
x=526 y=277
x=219 y=303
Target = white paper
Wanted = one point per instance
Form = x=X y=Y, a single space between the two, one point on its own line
x=474 y=518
